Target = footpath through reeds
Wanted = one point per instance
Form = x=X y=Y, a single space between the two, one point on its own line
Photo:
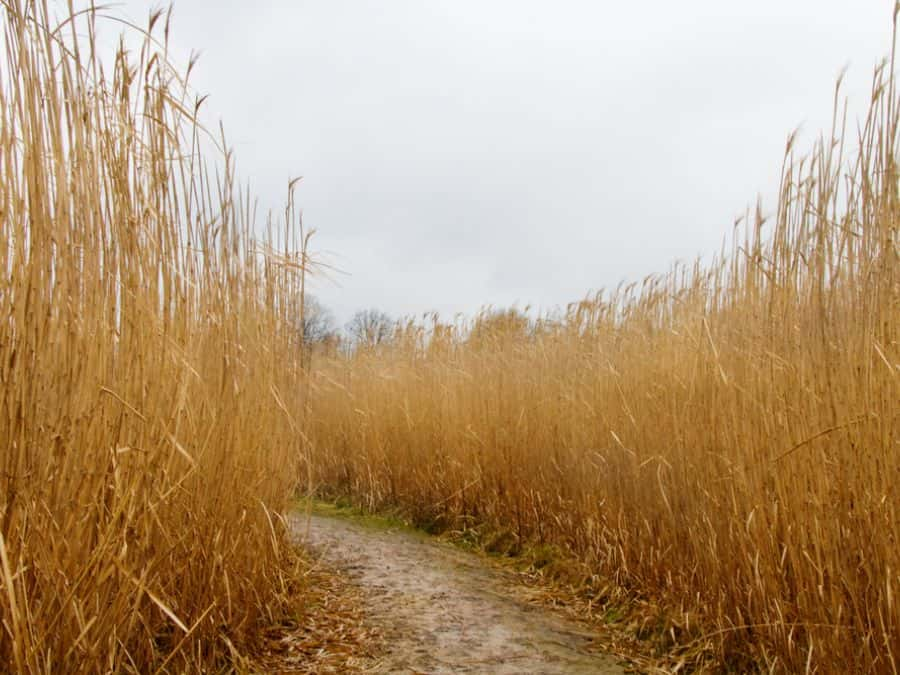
x=719 y=443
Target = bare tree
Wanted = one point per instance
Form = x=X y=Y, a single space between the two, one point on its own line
x=318 y=322
x=370 y=328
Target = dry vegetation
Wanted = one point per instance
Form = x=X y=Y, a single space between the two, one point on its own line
x=721 y=441
x=149 y=405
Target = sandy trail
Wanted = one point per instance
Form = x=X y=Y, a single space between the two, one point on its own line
x=442 y=610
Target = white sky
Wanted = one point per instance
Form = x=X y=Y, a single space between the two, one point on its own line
x=457 y=153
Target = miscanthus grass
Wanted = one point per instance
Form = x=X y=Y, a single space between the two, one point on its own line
x=722 y=441
x=148 y=358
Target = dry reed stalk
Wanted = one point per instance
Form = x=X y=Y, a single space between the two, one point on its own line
x=149 y=367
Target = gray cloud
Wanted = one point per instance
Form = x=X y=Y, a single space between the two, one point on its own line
x=461 y=152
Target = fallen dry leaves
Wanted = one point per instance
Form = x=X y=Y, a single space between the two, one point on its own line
x=329 y=633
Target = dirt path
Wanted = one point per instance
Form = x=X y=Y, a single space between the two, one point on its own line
x=443 y=610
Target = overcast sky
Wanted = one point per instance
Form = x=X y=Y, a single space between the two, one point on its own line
x=457 y=153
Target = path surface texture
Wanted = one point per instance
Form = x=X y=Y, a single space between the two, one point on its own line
x=443 y=610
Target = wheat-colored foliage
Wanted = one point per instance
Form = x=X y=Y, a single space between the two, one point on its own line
x=722 y=440
x=148 y=366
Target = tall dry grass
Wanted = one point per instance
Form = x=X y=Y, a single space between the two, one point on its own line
x=149 y=367
x=723 y=440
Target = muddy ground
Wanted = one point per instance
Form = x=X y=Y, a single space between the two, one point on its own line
x=444 y=610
